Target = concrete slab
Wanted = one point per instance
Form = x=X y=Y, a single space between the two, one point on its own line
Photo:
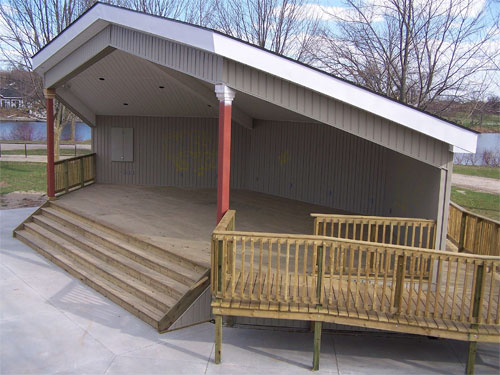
x=52 y=323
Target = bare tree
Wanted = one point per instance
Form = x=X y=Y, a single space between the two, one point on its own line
x=23 y=131
x=282 y=26
x=29 y=25
x=415 y=51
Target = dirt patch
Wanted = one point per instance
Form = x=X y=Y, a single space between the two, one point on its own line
x=20 y=199
x=482 y=184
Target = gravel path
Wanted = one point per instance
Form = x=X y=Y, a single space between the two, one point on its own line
x=482 y=184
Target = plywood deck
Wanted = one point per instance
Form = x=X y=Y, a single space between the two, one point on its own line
x=182 y=220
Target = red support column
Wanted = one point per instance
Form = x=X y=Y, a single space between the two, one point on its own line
x=49 y=97
x=225 y=96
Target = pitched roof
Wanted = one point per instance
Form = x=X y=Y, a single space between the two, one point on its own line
x=101 y=15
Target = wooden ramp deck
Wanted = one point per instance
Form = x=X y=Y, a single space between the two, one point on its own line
x=377 y=280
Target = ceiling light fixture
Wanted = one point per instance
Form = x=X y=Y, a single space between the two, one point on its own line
x=125 y=103
x=161 y=87
x=101 y=79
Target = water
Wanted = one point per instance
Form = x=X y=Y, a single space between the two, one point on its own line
x=82 y=130
x=486 y=142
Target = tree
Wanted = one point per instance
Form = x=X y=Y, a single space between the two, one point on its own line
x=415 y=51
x=30 y=25
x=282 y=26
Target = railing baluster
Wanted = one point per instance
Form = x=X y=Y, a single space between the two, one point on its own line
x=429 y=287
x=455 y=287
x=358 y=273
x=319 y=281
x=242 y=283
x=296 y=271
x=384 y=285
x=420 y=283
x=269 y=265
x=251 y=280
x=349 y=278
x=278 y=266
x=444 y=315
x=464 y=291
x=261 y=251
x=438 y=287
x=233 y=267
x=287 y=276
x=492 y=288
x=375 y=279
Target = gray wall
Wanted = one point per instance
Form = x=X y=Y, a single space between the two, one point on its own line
x=167 y=151
x=308 y=162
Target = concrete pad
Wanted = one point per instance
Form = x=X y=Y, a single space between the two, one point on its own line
x=46 y=343
x=274 y=349
x=487 y=358
x=394 y=354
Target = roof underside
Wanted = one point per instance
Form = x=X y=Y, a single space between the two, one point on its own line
x=136 y=54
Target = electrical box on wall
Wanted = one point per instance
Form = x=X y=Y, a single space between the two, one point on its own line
x=122 y=144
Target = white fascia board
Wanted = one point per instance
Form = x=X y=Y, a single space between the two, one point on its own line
x=344 y=91
x=262 y=60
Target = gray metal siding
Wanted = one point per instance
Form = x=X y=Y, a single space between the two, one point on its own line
x=411 y=188
x=318 y=164
x=168 y=152
x=308 y=162
x=335 y=113
x=197 y=63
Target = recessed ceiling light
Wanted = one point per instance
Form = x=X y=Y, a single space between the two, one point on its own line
x=101 y=79
x=161 y=87
x=125 y=103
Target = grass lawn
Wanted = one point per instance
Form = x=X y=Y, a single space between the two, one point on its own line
x=42 y=151
x=490 y=172
x=481 y=203
x=16 y=176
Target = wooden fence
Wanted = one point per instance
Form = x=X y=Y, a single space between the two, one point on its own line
x=74 y=172
x=473 y=233
x=312 y=270
x=389 y=230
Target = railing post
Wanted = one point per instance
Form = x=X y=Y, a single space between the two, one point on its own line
x=319 y=283
x=66 y=176
x=461 y=236
x=82 y=173
x=399 y=281
x=476 y=307
x=219 y=258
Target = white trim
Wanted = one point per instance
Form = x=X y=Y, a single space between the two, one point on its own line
x=224 y=93
x=260 y=59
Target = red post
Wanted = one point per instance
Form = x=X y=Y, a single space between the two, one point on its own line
x=49 y=97
x=225 y=96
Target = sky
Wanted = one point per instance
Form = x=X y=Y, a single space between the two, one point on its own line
x=318 y=8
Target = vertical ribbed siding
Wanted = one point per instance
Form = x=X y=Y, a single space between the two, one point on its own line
x=200 y=64
x=318 y=164
x=168 y=152
x=329 y=111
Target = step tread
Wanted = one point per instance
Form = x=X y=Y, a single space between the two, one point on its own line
x=105 y=267
x=120 y=293
x=174 y=285
x=191 y=274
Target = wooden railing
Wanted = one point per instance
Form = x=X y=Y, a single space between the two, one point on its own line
x=74 y=172
x=388 y=230
x=341 y=274
x=473 y=233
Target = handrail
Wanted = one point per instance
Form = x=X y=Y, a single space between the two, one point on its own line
x=389 y=230
x=62 y=161
x=350 y=274
x=74 y=172
x=472 y=232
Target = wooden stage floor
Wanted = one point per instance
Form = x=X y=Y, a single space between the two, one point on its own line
x=182 y=219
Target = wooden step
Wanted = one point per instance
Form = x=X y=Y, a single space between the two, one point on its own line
x=155 y=261
x=159 y=300
x=128 y=301
x=165 y=253
x=147 y=275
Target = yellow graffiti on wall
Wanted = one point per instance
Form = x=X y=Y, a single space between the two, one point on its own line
x=284 y=158
x=191 y=151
